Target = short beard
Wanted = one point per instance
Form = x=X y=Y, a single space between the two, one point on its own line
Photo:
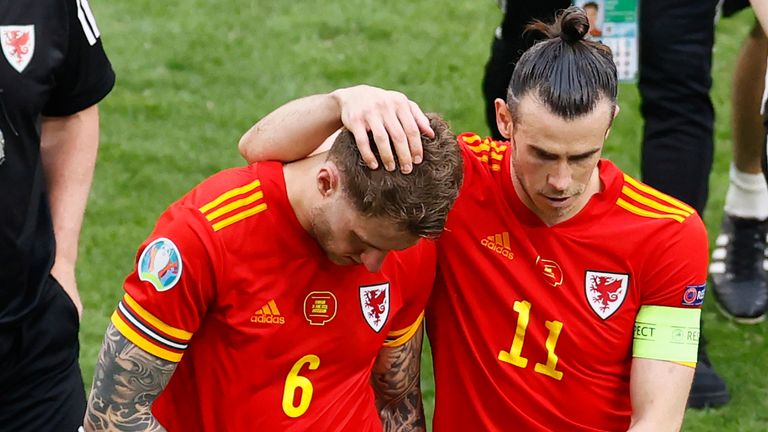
x=320 y=226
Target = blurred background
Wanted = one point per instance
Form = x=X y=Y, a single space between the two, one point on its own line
x=193 y=75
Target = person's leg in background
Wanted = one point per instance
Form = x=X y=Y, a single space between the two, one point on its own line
x=739 y=277
x=676 y=39
x=764 y=112
x=508 y=45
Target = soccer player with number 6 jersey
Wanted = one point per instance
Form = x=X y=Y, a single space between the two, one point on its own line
x=263 y=298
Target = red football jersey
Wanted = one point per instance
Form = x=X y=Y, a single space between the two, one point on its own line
x=268 y=333
x=531 y=326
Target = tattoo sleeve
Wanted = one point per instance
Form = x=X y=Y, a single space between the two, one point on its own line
x=126 y=382
x=395 y=380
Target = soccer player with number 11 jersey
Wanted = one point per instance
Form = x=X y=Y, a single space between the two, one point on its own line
x=568 y=293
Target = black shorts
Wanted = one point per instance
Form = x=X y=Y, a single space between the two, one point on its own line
x=41 y=387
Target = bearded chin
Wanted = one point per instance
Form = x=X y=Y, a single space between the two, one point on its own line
x=319 y=224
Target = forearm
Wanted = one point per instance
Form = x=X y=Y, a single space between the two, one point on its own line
x=396 y=383
x=298 y=128
x=292 y=131
x=659 y=391
x=126 y=382
x=68 y=148
x=404 y=414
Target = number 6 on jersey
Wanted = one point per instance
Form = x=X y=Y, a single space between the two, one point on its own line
x=294 y=382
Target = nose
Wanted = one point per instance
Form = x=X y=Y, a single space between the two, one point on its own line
x=372 y=259
x=560 y=179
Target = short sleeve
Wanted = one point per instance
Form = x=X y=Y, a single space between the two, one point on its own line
x=85 y=76
x=482 y=153
x=676 y=270
x=416 y=276
x=172 y=285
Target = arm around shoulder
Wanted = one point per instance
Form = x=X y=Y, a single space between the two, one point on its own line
x=299 y=127
x=292 y=131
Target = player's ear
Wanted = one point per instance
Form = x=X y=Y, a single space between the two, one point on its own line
x=503 y=118
x=328 y=179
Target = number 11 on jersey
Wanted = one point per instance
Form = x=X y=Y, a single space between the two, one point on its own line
x=514 y=355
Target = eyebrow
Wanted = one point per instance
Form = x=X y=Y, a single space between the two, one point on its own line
x=578 y=156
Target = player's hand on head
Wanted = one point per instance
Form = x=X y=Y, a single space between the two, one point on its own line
x=395 y=122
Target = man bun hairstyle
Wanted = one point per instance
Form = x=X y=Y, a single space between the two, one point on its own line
x=419 y=201
x=567 y=72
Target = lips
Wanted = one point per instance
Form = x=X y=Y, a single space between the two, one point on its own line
x=558 y=202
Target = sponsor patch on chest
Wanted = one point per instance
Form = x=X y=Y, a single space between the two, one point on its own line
x=551 y=271
x=605 y=291
x=320 y=307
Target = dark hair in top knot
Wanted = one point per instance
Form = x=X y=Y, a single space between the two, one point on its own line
x=571 y=25
x=574 y=24
x=565 y=71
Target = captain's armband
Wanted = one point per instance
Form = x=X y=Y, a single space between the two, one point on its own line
x=667 y=333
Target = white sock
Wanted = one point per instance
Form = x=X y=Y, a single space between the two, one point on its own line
x=747 y=195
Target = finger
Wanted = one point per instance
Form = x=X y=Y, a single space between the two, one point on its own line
x=381 y=138
x=360 y=132
x=399 y=141
x=413 y=135
x=421 y=120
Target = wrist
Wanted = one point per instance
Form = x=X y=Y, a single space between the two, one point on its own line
x=336 y=100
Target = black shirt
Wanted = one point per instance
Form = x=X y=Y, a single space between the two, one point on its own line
x=52 y=64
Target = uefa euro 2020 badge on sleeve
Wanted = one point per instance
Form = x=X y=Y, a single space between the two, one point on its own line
x=160 y=264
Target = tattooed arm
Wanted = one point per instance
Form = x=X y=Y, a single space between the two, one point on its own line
x=126 y=382
x=395 y=380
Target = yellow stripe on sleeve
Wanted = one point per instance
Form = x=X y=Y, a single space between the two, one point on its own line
x=501 y=148
x=638 y=211
x=472 y=138
x=155 y=322
x=653 y=204
x=235 y=205
x=141 y=342
x=229 y=194
x=664 y=197
x=400 y=337
x=479 y=148
x=239 y=216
